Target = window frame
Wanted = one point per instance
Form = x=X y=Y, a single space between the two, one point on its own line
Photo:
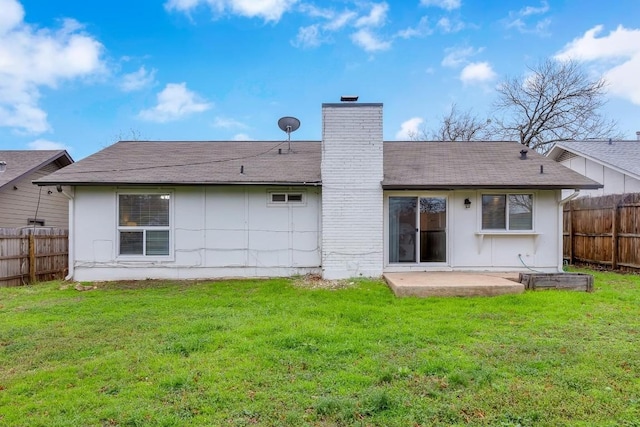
x=507 y=218
x=144 y=228
x=287 y=198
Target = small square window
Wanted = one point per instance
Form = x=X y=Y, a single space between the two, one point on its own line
x=278 y=198
x=295 y=197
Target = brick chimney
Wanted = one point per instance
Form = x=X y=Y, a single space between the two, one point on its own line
x=352 y=199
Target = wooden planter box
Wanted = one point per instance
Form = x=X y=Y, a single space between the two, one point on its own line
x=565 y=281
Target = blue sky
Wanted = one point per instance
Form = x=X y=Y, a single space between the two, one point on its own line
x=80 y=75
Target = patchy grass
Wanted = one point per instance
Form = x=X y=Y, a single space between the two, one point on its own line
x=303 y=352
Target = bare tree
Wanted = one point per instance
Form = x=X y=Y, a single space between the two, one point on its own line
x=556 y=102
x=457 y=125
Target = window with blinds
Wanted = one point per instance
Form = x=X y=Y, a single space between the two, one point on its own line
x=507 y=212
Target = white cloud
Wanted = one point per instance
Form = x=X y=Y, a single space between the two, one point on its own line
x=518 y=19
x=477 y=72
x=227 y=123
x=269 y=10
x=376 y=17
x=618 y=53
x=32 y=58
x=339 y=21
x=369 y=16
x=137 y=80
x=456 y=56
x=11 y=16
x=421 y=30
x=532 y=10
x=175 y=102
x=409 y=128
x=242 y=137
x=443 y=4
x=308 y=37
x=44 y=144
x=446 y=25
x=369 y=41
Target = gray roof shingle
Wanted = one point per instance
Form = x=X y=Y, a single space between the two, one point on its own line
x=146 y=162
x=474 y=164
x=623 y=155
x=406 y=165
x=23 y=162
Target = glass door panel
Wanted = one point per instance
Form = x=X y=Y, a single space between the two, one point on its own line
x=402 y=229
x=433 y=229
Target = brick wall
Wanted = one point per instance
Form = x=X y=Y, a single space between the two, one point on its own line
x=352 y=199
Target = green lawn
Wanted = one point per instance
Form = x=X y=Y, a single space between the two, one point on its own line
x=268 y=353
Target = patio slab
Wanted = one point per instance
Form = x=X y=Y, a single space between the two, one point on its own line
x=452 y=284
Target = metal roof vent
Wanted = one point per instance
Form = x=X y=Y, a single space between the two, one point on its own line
x=348 y=98
x=523 y=154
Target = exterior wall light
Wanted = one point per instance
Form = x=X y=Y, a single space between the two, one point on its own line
x=3 y=166
x=467 y=203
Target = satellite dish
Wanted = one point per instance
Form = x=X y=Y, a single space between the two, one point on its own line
x=289 y=124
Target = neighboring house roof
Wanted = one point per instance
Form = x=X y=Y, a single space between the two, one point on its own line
x=623 y=156
x=23 y=162
x=406 y=165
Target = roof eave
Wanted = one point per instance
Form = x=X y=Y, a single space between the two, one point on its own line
x=172 y=183
x=489 y=186
x=60 y=155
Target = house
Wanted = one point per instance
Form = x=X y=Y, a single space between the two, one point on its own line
x=22 y=203
x=348 y=205
x=614 y=164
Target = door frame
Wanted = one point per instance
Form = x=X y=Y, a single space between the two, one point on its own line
x=417 y=265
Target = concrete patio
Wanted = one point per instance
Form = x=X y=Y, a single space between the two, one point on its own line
x=453 y=284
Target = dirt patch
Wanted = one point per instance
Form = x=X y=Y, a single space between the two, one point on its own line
x=315 y=281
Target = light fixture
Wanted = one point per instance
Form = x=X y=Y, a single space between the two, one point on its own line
x=467 y=203
x=3 y=166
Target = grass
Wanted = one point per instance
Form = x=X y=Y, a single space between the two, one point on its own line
x=269 y=353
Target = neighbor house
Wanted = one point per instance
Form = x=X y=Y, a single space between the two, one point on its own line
x=348 y=205
x=614 y=164
x=24 y=204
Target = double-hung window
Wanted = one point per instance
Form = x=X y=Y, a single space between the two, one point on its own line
x=507 y=212
x=144 y=224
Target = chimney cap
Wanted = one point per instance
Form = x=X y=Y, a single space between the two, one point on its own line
x=349 y=98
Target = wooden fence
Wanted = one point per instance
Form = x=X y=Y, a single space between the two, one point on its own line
x=30 y=255
x=603 y=231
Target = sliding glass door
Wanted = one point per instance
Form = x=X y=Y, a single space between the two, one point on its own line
x=417 y=229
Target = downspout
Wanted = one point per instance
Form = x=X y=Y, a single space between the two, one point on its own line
x=72 y=223
x=563 y=202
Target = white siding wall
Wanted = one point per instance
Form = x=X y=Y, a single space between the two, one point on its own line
x=17 y=206
x=352 y=198
x=469 y=250
x=614 y=182
x=217 y=232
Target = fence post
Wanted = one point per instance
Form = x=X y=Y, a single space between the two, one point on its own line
x=32 y=258
x=614 y=234
x=571 y=236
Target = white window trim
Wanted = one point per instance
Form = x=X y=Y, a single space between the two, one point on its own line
x=287 y=193
x=119 y=228
x=506 y=230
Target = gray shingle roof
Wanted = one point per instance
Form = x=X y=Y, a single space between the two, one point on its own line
x=622 y=155
x=473 y=164
x=145 y=162
x=23 y=162
x=406 y=165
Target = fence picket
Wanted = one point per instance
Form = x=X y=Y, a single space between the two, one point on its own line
x=46 y=258
x=603 y=230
